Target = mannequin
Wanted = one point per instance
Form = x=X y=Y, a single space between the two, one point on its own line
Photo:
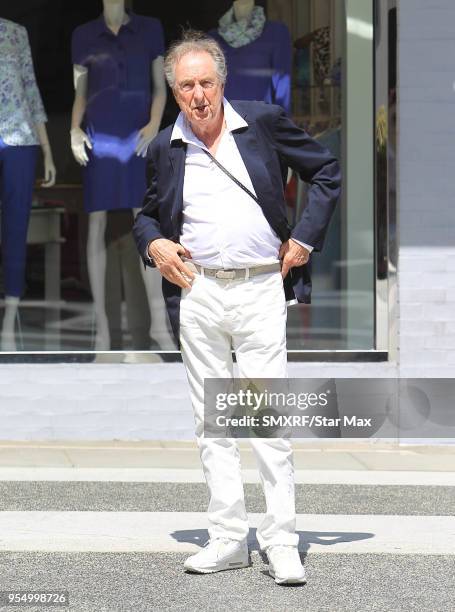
x=243 y=9
x=258 y=54
x=113 y=59
x=22 y=129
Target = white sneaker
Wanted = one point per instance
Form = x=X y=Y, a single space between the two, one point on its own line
x=218 y=555
x=285 y=565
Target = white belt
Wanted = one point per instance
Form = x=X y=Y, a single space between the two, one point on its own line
x=234 y=273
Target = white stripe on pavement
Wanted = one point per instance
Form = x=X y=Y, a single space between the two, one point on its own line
x=366 y=477
x=182 y=531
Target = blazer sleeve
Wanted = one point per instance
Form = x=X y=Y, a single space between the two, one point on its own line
x=147 y=222
x=317 y=167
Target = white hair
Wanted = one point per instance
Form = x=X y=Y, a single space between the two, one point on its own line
x=194 y=41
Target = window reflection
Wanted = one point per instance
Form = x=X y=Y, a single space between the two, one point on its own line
x=83 y=286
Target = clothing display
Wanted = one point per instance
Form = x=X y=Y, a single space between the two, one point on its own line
x=321 y=54
x=17 y=169
x=260 y=68
x=21 y=106
x=240 y=33
x=119 y=99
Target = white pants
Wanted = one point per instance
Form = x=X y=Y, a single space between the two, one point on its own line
x=250 y=316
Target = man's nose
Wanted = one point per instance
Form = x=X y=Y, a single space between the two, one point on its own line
x=198 y=91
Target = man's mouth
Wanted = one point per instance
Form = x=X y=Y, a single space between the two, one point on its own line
x=201 y=107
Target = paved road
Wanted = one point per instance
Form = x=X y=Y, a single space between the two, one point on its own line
x=119 y=546
x=140 y=582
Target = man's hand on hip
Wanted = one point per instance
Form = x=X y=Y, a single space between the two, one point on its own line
x=292 y=254
x=165 y=254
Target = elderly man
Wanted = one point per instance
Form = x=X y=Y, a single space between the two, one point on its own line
x=214 y=224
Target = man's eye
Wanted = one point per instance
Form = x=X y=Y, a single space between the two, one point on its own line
x=207 y=84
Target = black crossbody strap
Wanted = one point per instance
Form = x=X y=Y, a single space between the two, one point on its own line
x=231 y=176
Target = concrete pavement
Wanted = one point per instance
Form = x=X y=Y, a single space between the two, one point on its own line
x=113 y=522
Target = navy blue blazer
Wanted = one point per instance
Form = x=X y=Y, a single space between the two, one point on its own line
x=269 y=144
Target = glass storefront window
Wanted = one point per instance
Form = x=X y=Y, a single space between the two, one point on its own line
x=332 y=89
x=83 y=287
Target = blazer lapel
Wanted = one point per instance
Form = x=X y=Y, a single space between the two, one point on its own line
x=255 y=162
x=177 y=154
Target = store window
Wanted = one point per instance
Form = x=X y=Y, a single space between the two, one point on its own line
x=71 y=277
x=332 y=98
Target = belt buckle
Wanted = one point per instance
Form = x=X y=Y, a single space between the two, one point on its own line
x=225 y=274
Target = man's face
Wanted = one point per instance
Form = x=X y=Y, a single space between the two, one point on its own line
x=197 y=89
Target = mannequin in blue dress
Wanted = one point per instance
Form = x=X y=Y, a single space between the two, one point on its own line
x=258 y=54
x=115 y=117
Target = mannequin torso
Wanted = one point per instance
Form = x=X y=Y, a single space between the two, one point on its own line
x=115 y=60
x=115 y=15
x=258 y=54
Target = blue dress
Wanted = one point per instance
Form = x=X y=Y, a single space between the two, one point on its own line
x=260 y=70
x=119 y=98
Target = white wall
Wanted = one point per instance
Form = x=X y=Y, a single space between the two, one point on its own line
x=117 y=401
x=426 y=187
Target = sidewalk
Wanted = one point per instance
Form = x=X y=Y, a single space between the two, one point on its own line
x=321 y=455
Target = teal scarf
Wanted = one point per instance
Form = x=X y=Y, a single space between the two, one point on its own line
x=243 y=32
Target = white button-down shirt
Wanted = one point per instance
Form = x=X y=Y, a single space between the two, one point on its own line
x=223 y=227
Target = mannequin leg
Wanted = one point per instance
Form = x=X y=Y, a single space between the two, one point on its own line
x=159 y=328
x=17 y=165
x=96 y=263
x=8 y=325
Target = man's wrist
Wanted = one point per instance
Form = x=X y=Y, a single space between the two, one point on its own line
x=148 y=257
x=308 y=247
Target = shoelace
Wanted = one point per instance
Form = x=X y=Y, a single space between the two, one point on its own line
x=217 y=543
x=227 y=540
